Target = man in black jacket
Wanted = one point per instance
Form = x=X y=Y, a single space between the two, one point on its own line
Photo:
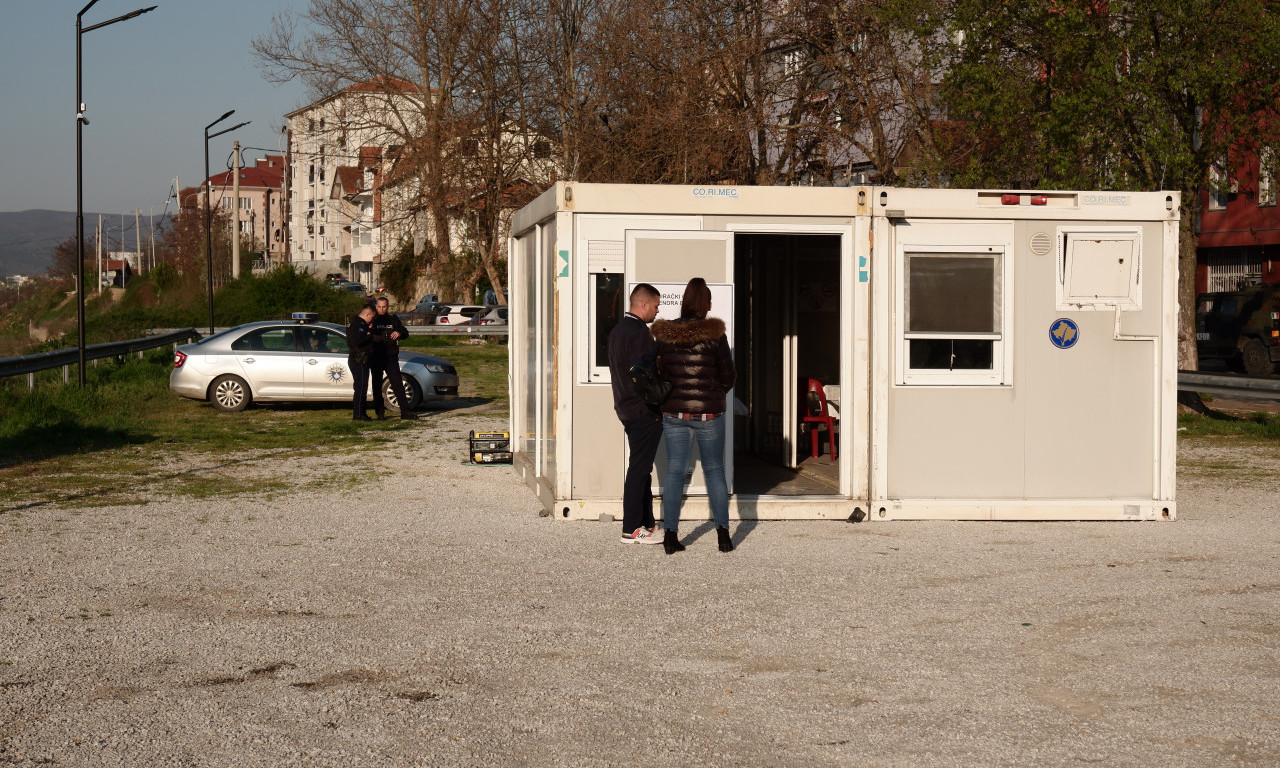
x=360 y=345
x=385 y=360
x=629 y=341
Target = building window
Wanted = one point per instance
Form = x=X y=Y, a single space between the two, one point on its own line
x=225 y=203
x=1218 y=185
x=608 y=303
x=542 y=149
x=246 y=227
x=365 y=236
x=953 y=315
x=246 y=204
x=792 y=61
x=1268 y=176
x=311 y=174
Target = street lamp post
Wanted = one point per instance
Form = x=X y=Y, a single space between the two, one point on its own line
x=82 y=121
x=208 y=214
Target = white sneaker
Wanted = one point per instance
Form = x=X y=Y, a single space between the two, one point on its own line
x=641 y=536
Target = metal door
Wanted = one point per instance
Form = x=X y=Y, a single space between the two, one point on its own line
x=668 y=260
x=271 y=362
x=325 y=372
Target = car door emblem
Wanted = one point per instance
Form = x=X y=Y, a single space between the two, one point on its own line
x=336 y=372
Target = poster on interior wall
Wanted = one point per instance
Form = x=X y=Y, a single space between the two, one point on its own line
x=673 y=293
x=818 y=296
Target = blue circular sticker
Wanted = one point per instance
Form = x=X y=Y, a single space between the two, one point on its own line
x=1063 y=333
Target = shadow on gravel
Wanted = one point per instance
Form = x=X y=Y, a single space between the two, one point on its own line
x=739 y=533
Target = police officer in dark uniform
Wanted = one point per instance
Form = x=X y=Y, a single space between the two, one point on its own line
x=360 y=345
x=385 y=360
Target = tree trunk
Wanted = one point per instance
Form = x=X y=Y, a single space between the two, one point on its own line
x=1188 y=360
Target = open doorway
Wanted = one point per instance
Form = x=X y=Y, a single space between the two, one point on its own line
x=787 y=316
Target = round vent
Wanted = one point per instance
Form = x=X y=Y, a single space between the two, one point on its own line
x=1041 y=243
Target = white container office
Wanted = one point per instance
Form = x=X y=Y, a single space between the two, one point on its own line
x=988 y=355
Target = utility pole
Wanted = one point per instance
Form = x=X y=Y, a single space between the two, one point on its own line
x=235 y=203
x=266 y=229
x=99 y=254
x=137 y=216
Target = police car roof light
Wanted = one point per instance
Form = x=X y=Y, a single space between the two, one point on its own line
x=304 y=317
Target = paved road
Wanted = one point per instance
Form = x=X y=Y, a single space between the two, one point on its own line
x=429 y=616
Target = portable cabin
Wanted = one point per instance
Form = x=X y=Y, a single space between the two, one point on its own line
x=901 y=353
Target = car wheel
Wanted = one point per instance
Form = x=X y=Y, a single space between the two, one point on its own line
x=229 y=394
x=411 y=391
x=1254 y=358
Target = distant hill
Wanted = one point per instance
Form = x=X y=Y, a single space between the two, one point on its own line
x=27 y=238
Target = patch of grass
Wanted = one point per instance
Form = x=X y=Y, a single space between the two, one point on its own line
x=482 y=368
x=1254 y=426
x=118 y=439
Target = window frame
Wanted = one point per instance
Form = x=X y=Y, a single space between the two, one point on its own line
x=598 y=370
x=1218 y=191
x=1268 y=176
x=1001 y=372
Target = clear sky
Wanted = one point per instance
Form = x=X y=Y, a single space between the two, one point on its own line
x=151 y=85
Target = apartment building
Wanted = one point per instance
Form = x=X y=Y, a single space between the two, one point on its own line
x=337 y=149
x=1238 y=230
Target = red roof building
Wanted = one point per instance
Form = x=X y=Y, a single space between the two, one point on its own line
x=261 y=210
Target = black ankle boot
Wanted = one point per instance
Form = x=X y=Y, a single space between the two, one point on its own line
x=726 y=543
x=671 y=542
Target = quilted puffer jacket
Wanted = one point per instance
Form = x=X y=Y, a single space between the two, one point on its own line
x=694 y=356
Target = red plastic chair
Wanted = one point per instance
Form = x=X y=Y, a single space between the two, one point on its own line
x=817 y=415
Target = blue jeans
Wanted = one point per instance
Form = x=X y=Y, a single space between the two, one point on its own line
x=679 y=435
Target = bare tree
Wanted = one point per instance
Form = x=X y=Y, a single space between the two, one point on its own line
x=401 y=66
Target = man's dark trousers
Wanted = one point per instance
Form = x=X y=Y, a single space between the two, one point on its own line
x=360 y=385
x=382 y=367
x=643 y=438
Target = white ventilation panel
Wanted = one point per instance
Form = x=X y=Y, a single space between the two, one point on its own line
x=1100 y=269
x=606 y=256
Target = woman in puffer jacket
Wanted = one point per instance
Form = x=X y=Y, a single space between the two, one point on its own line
x=694 y=355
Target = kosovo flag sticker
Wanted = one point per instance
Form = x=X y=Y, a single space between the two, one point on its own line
x=1063 y=333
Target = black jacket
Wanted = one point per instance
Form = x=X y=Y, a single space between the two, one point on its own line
x=628 y=342
x=694 y=356
x=385 y=347
x=360 y=342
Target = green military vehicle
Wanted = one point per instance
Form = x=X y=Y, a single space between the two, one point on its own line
x=1241 y=327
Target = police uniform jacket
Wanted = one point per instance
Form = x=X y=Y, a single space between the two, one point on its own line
x=360 y=342
x=381 y=327
x=694 y=356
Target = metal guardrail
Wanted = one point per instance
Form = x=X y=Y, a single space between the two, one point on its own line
x=1229 y=385
x=43 y=361
x=460 y=330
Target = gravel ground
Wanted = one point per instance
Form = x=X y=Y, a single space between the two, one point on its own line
x=430 y=617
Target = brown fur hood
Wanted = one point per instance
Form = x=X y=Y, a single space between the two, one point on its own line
x=688 y=332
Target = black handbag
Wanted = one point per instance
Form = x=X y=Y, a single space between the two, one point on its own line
x=649 y=383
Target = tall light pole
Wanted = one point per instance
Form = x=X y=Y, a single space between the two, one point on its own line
x=82 y=121
x=208 y=215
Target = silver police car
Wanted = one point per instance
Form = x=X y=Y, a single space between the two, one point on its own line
x=293 y=360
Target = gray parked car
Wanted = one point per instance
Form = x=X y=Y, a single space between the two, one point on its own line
x=293 y=360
